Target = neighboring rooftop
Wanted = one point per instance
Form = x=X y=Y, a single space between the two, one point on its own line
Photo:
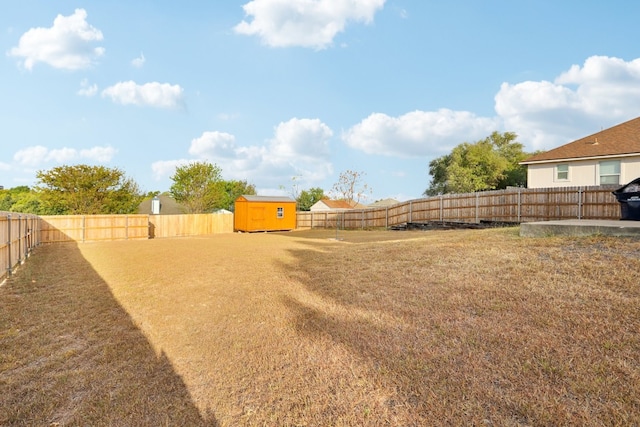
x=619 y=140
x=383 y=203
x=168 y=206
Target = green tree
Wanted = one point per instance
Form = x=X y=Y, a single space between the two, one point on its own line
x=350 y=187
x=234 y=189
x=8 y=197
x=84 y=189
x=489 y=164
x=308 y=198
x=30 y=202
x=438 y=170
x=198 y=186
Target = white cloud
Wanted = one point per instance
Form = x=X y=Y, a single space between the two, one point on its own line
x=300 y=147
x=62 y=155
x=306 y=23
x=86 y=89
x=602 y=92
x=418 y=133
x=160 y=95
x=31 y=156
x=39 y=155
x=139 y=61
x=164 y=168
x=66 y=45
x=101 y=154
x=213 y=144
x=301 y=139
x=584 y=99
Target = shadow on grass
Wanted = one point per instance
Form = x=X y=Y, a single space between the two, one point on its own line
x=71 y=355
x=464 y=336
x=436 y=361
x=399 y=354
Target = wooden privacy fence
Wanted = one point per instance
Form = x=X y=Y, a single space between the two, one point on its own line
x=512 y=205
x=19 y=234
x=92 y=228
x=190 y=225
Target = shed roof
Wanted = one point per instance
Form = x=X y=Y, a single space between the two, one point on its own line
x=619 y=140
x=252 y=198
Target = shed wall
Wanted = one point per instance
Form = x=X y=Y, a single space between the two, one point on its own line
x=263 y=216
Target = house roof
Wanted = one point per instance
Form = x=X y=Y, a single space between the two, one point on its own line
x=251 y=198
x=619 y=140
x=383 y=203
x=168 y=206
x=328 y=204
x=336 y=204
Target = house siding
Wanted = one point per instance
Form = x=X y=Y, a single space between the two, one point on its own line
x=581 y=172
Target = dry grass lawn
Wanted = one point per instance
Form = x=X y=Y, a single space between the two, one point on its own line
x=470 y=327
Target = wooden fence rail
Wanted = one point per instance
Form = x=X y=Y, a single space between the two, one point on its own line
x=189 y=224
x=19 y=234
x=91 y=228
x=512 y=205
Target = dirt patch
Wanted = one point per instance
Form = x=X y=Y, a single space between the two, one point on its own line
x=459 y=327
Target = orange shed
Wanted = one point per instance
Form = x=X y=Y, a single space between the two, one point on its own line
x=264 y=213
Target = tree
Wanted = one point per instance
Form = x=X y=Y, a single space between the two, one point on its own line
x=308 y=198
x=84 y=189
x=198 y=186
x=350 y=187
x=438 y=171
x=488 y=164
x=234 y=189
x=30 y=202
x=9 y=196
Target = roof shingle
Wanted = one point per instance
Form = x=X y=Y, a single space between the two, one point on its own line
x=619 y=140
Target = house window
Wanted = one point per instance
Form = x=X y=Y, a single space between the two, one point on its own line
x=562 y=173
x=610 y=172
x=280 y=212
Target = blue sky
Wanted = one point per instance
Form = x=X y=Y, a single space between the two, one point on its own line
x=274 y=89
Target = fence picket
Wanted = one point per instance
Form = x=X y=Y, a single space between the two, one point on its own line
x=16 y=240
x=510 y=205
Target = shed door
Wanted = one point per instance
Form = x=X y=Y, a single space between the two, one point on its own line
x=257 y=218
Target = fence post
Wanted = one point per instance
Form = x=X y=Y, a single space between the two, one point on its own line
x=386 y=217
x=519 y=204
x=83 y=227
x=441 y=209
x=477 y=204
x=126 y=227
x=9 y=244
x=579 y=202
x=27 y=240
x=410 y=211
x=19 y=236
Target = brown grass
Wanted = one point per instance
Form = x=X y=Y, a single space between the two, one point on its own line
x=473 y=327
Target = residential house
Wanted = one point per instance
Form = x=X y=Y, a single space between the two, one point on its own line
x=611 y=156
x=328 y=205
x=167 y=206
